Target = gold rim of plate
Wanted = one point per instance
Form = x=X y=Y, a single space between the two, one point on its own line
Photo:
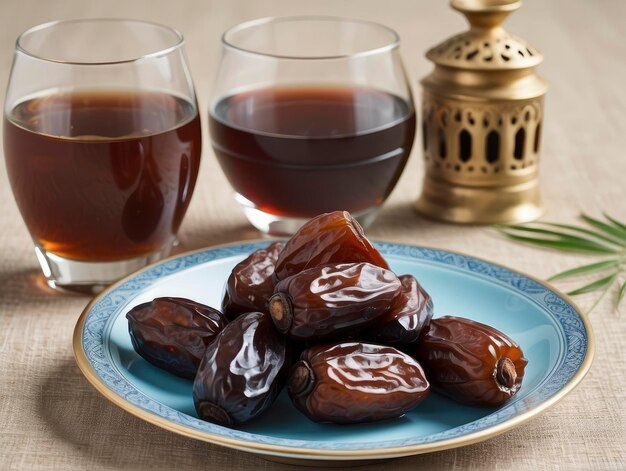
x=316 y=453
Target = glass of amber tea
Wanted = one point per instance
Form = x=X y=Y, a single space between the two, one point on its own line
x=102 y=145
x=310 y=115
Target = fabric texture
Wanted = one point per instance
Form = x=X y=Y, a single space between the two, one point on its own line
x=53 y=419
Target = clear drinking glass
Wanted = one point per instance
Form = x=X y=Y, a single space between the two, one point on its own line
x=102 y=145
x=310 y=115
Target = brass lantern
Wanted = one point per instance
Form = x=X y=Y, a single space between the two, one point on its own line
x=482 y=115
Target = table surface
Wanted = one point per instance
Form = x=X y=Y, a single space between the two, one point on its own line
x=52 y=418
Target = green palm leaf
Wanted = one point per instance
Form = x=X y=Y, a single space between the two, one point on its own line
x=608 y=228
x=583 y=230
x=564 y=244
x=602 y=237
x=620 y=295
x=584 y=269
x=564 y=236
x=615 y=222
x=596 y=285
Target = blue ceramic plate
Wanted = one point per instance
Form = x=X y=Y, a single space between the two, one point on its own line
x=554 y=334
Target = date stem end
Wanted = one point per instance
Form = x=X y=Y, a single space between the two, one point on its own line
x=281 y=310
x=505 y=373
x=301 y=379
x=214 y=413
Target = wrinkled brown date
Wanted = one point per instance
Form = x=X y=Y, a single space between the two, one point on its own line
x=356 y=382
x=471 y=362
x=173 y=333
x=325 y=301
x=242 y=371
x=250 y=284
x=409 y=315
x=326 y=239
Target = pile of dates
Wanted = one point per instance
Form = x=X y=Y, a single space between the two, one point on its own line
x=323 y=315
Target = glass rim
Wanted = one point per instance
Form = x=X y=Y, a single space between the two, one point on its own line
x=179 y=42
x=393 y=44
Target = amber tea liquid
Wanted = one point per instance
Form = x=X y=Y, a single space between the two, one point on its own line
x=102 y=175
x=304 y=151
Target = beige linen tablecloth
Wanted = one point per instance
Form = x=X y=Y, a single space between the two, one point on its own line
x=52 y=418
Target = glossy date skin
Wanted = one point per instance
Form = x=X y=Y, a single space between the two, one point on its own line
x=173 y=333
x=251 y=284
x=323 y=302
x=326 y=239
x=470 y=362
x=409 y=315
x=355 y=382
x=242 y=371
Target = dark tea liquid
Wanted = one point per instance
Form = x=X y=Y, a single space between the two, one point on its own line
x=303 y=151
x=103 y=175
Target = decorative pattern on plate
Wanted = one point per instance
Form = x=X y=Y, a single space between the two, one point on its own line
x=100 y=317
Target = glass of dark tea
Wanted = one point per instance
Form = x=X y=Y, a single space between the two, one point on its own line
x=310 y=115
x=102 y=145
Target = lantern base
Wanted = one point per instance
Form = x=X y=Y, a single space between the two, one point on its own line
x=445 y=201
